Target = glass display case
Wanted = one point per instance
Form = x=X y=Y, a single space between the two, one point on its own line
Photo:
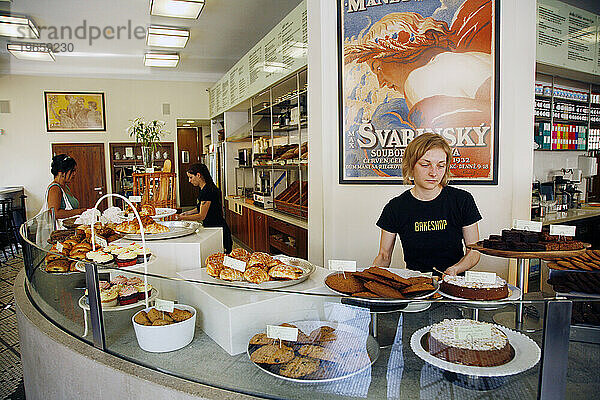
x=340 y=346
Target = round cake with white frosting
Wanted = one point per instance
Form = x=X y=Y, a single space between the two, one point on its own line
x=458 y=286
x=481 y=352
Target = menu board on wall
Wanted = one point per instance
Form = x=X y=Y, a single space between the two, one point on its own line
x=566 y=36
x=281 y=52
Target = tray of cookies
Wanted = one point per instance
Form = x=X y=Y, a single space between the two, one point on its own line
x=323 y=352
x=382 y=286
x=261 y=269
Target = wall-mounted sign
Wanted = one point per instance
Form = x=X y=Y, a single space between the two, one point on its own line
x=410 y=67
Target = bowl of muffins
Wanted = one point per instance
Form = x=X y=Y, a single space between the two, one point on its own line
x=161 y=331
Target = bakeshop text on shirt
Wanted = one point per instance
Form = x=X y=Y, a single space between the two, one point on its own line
x=424 y=226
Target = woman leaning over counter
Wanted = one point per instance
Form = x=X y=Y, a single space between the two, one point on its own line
x=431 y=218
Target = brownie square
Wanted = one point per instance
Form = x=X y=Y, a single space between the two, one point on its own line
x=530 y=237
x=511 y=235
x=495 y=244
x=537 y=247
x=495 y=237
x=520 y=246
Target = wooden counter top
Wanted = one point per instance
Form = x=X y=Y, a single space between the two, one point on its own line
x=570 y=215
x=272 y=213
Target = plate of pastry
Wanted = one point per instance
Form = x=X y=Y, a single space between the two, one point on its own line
x=382 y=286
x=157 y=231
x=504 y=352
x=262 y=270
x=324 y=352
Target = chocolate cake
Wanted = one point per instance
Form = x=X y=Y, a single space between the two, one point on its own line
x=488 y=352
x=457 y=286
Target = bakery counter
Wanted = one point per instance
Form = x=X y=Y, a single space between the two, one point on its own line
x=576 y=214
x=214 y=343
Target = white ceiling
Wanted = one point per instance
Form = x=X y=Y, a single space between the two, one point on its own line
x=224 y=32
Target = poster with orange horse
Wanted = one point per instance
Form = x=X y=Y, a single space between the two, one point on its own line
x=413 y=66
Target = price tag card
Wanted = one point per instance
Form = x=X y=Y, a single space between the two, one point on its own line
x=164 y=305
x=472 y=332
x=480 y=277
x=342 y=265
x=234 y=263
x=101 y=242
x=523 y=225
x=282 y=333
x=135 y=199
x=149 y=170
x=562 y=230
x=59 y=247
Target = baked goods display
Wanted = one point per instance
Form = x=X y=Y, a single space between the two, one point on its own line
x=442 y=343
x=458 y=286
x=153 y=317
x=150 y=226
x=574 y=281
x=586 y=261
x=280 y=154
x=260 y=268
x=520 y=240
x=380 y=283
x=326 y=353
x=76 y=245
x=122 y=291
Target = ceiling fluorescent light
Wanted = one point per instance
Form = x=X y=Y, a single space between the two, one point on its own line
x=294 y=49
x=165 y=36
x=177 y=8
x=190 y=122
x=168 y=60
x=19 y=27
x=31 y=51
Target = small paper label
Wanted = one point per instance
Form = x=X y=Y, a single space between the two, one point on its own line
x=59 y=247
x=523 y=225
x=101 y=241
x=472 y=332
x=342 y=265
x=164 y=305
x=149 y=170
x=562 y=230
x=135 y=199
x=480 y=277
x=282 y=332
x=234 y=263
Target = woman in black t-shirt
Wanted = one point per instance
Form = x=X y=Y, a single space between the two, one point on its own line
x=432 y=219
x=208 y=210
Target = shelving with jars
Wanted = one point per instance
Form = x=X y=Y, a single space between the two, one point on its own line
x=279 y=138
x=567 y=114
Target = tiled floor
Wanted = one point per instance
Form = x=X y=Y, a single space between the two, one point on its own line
x=11 y=375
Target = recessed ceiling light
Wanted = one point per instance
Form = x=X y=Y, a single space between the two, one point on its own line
x=186 y=124
x=190 y=122
x=271 y=66
x=19 y=27
x=169 y=60
x=166 y=36
x=31 y=51
x=177 y=8
x=294 y=49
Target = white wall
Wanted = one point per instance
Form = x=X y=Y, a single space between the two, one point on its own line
x=347 y=229
x=25 y=148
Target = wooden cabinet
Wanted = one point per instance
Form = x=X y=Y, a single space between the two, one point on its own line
x=287 y=239
x=258 y=230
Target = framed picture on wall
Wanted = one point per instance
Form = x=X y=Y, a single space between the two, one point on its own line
x=410 y=67
x=75 y=112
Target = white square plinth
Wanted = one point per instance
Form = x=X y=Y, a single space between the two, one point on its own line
x=231 y=316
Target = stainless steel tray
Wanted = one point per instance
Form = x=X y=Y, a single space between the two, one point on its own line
x=306 y=267
x=371 y=346
x=176 y=229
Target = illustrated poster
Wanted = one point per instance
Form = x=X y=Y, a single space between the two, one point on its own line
x=410 y=67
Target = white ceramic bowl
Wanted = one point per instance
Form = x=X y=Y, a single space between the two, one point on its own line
x=161 y=339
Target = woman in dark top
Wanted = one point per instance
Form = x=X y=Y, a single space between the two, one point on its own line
x=208 y=210
x=432 y=219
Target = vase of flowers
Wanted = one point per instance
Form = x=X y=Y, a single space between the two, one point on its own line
x=147 y=134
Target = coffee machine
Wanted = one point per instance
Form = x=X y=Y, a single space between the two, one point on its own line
x=269 y=183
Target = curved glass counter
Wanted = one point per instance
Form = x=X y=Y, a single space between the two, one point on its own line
x=543 y=362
